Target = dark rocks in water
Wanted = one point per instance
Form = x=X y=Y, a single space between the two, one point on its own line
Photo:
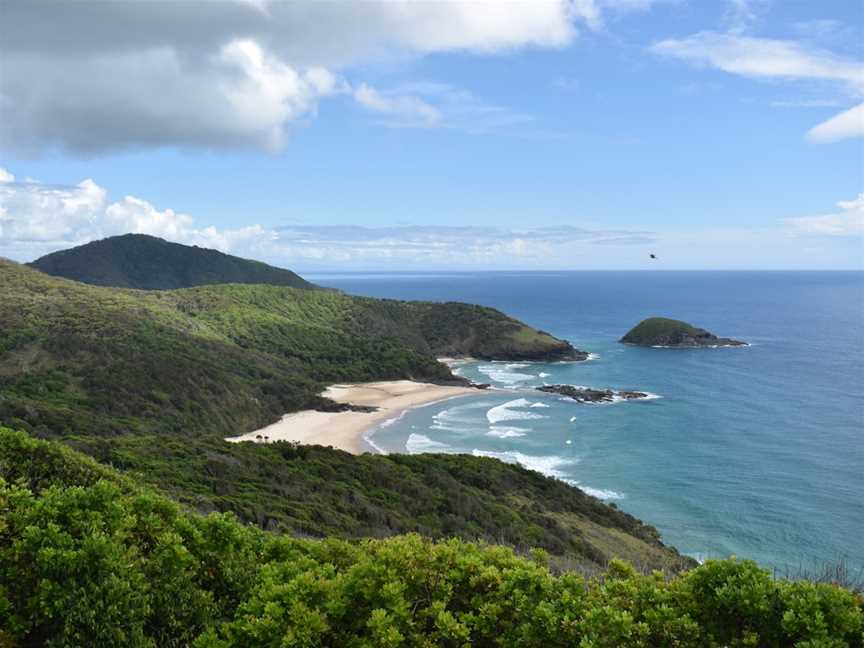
x=664 y=332
x=588 y=395
x=628 y=395
x=576 y=355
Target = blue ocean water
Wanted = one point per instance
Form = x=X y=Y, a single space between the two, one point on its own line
x=756 y=452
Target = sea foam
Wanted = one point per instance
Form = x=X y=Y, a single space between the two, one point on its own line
x=549 y=465
x=509 y=412
x=459 y=419
x=506 y=432
x=505 y=373
x=420 y=443
x=599 y=493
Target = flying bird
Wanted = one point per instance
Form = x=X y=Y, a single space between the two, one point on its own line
x=652 y=256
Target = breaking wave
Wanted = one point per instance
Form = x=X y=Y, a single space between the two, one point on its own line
x=506 y=432
x=504 y=373
x=420 y=443
x=549 y=466
x=510 y=411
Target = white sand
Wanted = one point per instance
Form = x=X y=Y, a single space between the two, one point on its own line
x=345 y=430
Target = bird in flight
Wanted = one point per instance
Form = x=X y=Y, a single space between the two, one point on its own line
x=652 y=256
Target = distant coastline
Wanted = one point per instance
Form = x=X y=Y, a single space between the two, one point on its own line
x=347 y=430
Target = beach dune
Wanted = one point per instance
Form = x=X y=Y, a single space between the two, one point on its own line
x=345 y=430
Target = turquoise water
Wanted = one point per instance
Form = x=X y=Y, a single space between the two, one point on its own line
x=756 y=452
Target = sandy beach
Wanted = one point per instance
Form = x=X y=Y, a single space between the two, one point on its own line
x=345 y=430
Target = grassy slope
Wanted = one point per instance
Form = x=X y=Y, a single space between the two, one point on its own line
x=152 y=381
x=150 y=263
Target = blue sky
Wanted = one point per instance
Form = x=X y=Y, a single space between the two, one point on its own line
x=579 y=134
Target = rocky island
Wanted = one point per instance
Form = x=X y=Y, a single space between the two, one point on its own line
x=665 y=332
x=588 y=395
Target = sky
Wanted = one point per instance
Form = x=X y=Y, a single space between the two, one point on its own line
x=433 y=135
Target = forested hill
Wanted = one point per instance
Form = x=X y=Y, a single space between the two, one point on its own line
x=152 y=382
x=220 y=359
x=150 y=263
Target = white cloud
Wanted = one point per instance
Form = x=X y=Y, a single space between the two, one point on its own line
x=37 y=213
x=764 y=58
x=94 y=77
x=846 y=125
x=848 y=222
x=405 y=109
x=592 y=12
x=435 y=105
x=443 y=246
x=37 y=218
x=239 y=96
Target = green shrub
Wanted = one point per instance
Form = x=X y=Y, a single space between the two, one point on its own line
x=105 y=564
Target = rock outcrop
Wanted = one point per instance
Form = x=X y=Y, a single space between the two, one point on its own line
x=588 y=395
x=664 y=332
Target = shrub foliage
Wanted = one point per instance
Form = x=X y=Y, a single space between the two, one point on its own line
x=89 y=558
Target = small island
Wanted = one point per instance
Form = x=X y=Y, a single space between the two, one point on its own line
x=665 y=332
x=588 y=395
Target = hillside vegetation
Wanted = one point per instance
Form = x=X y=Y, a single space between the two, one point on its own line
x=90 y=558
x=218 y=360
x=150 y=263
x=151 y=382
x=665 y=332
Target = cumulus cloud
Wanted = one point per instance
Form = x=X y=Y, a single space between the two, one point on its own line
x=37 y=218
x=95 y=77
x=238 y=96
x=849 y=221
x=764 y=58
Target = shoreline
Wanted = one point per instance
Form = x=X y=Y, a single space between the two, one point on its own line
x=348 y=430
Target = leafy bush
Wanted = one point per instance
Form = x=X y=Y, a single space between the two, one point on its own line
x=102 y=561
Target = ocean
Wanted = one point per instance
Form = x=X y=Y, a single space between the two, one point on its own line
x=756 y=452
